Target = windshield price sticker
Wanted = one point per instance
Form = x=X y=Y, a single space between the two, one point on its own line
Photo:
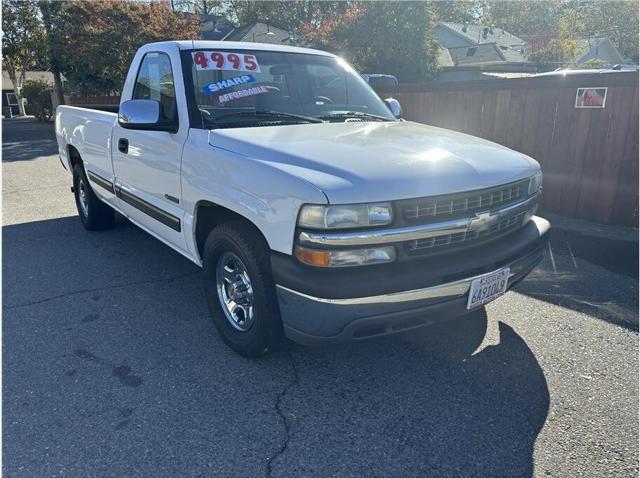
x=236 y=95
x=228 y=83
x=220 y=60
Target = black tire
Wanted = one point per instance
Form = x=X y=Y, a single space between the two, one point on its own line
x=243 y=241
x=96 y=215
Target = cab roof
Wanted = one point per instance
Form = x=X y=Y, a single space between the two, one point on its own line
x=234 y=45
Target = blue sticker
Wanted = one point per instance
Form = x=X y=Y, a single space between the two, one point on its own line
x=228 y=83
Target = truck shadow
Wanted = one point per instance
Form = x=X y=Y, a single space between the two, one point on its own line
x=91 y=305
x=418 y=405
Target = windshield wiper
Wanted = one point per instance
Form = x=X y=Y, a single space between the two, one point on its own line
x=354 y=114
x=281 y=114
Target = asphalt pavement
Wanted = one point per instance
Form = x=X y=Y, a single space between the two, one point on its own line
x=112 y=366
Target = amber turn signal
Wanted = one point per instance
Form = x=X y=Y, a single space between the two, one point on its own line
x=313 y=258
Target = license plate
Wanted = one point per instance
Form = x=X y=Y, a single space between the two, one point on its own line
x=487 y=288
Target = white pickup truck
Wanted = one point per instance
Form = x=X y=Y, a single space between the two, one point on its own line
x=316 y=212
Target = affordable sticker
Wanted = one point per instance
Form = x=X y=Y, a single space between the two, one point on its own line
x=236 y=95
x=220 y=60
x=228 y=83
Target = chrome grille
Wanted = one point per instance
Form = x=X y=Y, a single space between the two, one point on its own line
x=463 y=203
x=467 y=238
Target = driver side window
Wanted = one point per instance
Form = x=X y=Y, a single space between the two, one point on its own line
x=155 y=82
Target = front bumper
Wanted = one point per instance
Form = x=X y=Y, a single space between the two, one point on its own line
x=322 y=306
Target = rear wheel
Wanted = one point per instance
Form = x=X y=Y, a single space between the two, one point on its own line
x=94 y=214
x=240 y=290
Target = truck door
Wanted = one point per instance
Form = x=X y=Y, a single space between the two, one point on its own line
x=147 y=164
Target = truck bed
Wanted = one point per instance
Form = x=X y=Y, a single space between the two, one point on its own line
x=89 y=132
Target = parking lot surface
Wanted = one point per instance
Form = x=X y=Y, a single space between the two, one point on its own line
x=112 y=366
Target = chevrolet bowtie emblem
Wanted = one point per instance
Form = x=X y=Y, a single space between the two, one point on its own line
x=482 y=222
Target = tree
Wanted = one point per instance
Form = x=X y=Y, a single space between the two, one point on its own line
x=553 y=27
x=96 y=41
x=617 y=20
x=202 y=7
x=290 y=15
x=51 y=12
x=556 y=53
x=459 y=11
x=38 y=95
x=525 y=19
x=384 y=37
x=22 y=42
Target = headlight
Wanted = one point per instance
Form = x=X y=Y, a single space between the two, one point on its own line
x=535 y=183
x=345 y=258
x=344 y=216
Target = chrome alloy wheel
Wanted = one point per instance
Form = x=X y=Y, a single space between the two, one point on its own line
x=234 y=291
x=83 y=197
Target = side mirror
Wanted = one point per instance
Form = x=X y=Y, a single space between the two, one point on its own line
x=145 y=115
x=394 y=106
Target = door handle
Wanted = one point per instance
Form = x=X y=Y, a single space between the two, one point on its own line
x=123 y=145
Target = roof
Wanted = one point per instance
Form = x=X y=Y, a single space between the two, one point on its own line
x=485 y=53
x=214 y=27
x=513 y=54
x=259 y=31
x=235 y=45
x=474 y=33
x=586 y=45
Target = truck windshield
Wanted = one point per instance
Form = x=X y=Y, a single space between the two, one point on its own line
x=240 y=88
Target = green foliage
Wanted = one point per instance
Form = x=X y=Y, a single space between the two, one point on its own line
x=459 y=11
x=92 y=42
x=557 y=52
x=613 y=18
x=593 y=64
x=22 y=34
x=203 y=7
x=525 y=19
x=22 y=41
x=288 y=15
x=38 y=95
x=559 y=23
x=96 y=41
x=382 y=37
x=392 y=37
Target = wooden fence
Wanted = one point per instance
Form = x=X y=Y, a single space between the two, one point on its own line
x=589 y=156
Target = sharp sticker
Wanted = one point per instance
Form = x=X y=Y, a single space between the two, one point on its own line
x=228 y=83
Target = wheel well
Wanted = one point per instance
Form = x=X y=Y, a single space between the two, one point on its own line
x=209 y=215
x=74 y=156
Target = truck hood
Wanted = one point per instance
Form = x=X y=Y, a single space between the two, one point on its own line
x=378 y=161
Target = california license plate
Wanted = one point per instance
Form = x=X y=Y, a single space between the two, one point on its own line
x=487 y=288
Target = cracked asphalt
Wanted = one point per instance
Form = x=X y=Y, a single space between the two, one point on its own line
x=112 y=367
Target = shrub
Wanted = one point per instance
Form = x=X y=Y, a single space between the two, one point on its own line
x=38 y=95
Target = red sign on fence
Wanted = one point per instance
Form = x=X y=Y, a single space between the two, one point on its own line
x=591 y=97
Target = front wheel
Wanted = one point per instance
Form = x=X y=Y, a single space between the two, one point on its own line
x=94 y=214
x=240 y=290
